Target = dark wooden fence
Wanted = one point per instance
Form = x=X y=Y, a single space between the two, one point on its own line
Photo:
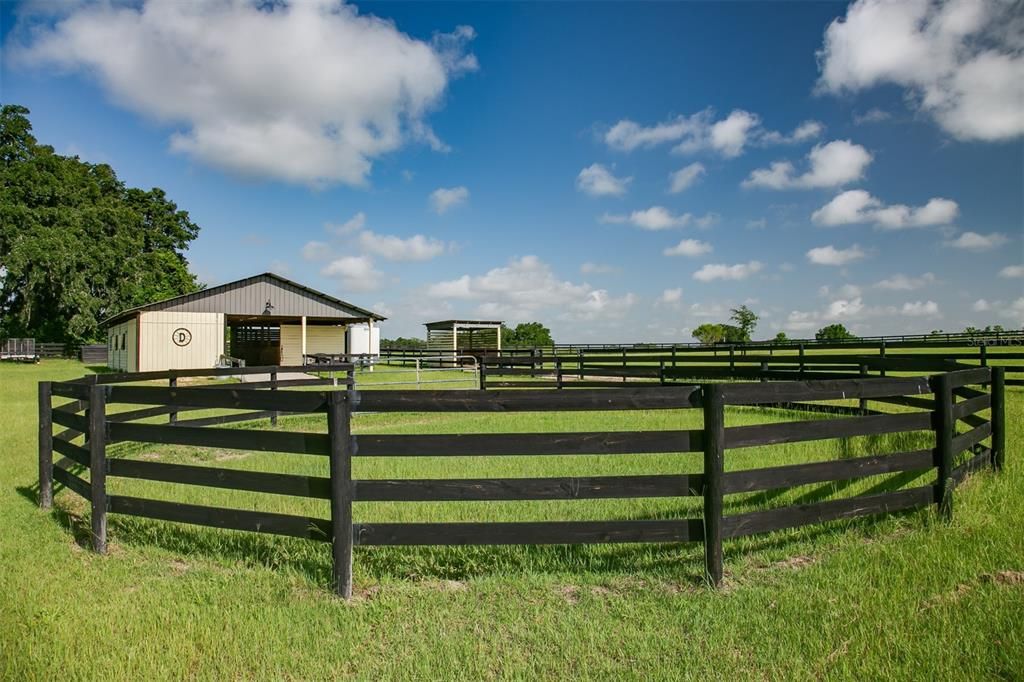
x=944 y=404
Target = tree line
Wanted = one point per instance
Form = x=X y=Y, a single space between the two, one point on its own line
x=76 y=244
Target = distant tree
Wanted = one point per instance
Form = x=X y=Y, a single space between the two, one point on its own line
x=531 y=334
x=403 y=342
x=745 y=319
x=781 y=337
x=992 y=328
x=709 y=333
x=834 y=332
x=76 y=244
x=734 y=334
x=936 y=332
x=971 y=330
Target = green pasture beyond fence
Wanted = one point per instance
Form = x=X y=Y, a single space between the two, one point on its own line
x=946 y=405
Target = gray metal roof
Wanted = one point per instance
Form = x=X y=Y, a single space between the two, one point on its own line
x=449 y=323
x=250 y=296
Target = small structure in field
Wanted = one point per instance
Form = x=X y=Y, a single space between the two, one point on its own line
x=261 y=320
x=455 y=335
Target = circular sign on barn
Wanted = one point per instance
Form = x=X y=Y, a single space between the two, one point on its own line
x=181 y=337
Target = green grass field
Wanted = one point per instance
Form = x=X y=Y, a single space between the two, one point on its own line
x=893 y=598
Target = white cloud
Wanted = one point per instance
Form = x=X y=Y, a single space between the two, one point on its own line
x=972 y=241
x=657 y=218
x=597 y=181
x=874 y=115
x=315 y=251
x=844 y=291
x=357 y=273
x=415 y=248
x=758 y=224
x=981 y=306
x=921 y=309
x=311 y=92
x=1011 y=271
x=353 y=224
x=829 y=165
x=526 y=286
x=900 y=282
x=685 y=177
x=599 y=269
x=671 y=296
x=961 y=62
x=444 y=199
x=728 y=137
x=830 y=255
x=1015 y=311
x=858 y=206
x=688 y=247
x=714 y=271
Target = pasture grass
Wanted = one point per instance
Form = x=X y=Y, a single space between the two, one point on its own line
x=889 y=598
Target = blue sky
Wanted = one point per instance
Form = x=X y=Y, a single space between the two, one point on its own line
x=859 y=163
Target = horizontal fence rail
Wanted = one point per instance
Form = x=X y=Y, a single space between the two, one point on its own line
x=959 y=409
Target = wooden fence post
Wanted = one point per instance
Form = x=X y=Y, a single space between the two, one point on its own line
x=944 y=425
x=172 y=382
x=483 y=373
x=623 y=364
x=273 y=387
x=998 y=391
x=339 y=428
x=983 y=355
x=732 y=359
x=881 y=354
x=863 y=403
x=801 y=358
x=714 y=472
x=661 y=372
x=45 y=445
x=764 y=370
x=558 y=373
x=97 y=417
x=579 y=362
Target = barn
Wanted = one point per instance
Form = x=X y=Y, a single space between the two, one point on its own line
x=264 y=320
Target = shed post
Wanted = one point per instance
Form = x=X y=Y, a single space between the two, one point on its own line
x=303 y=362
x=45 y=445
x=339 y=429
x=714 y=472
x=97 y=419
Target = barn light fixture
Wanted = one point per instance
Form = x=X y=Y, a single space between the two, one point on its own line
x=269 y=307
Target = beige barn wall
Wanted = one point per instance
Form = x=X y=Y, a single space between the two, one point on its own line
x=158 y=351
x=123 y=338
x=318 y=340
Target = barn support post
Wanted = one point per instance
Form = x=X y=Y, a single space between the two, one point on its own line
x=998 y=418
x=714 y=472
x=45 y=445
x=339 y=429
x=944 y=425
x=273 y=376
x=97 y=419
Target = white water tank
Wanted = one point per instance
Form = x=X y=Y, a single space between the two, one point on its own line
x=363 y=340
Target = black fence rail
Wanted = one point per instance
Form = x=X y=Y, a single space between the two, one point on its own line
x=948 y=405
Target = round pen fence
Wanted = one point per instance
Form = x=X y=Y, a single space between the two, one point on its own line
x=950 y=413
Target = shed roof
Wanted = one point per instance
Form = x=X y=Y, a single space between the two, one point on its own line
x=464 y=323
x=250 y=297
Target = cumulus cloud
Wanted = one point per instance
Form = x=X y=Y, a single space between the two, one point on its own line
x=599 y=269
x=660 y=218
x=758 y=224
x=981 y=306
x=1011 y=271
x=598 y=181
x=308 y=92
x=316 y=251
x=972 y=241
x=526 y=286
x=874 y=115
x=829 y=165
x=671 y=296
x=684 y=178
x=415 y=248
x=901 y=282
x=921 y=309
x=350 y=226
x=356 y=273
x=858 y=206
x=830 y=255
x=961 y=62
x=688 y=247
x=713 y=271
x=729 y=136
x=444 y=199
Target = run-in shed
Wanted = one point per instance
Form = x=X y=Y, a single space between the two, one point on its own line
x=263 y=320
x=456 y=335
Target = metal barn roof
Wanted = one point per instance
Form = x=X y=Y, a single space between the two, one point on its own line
x=250 y=297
